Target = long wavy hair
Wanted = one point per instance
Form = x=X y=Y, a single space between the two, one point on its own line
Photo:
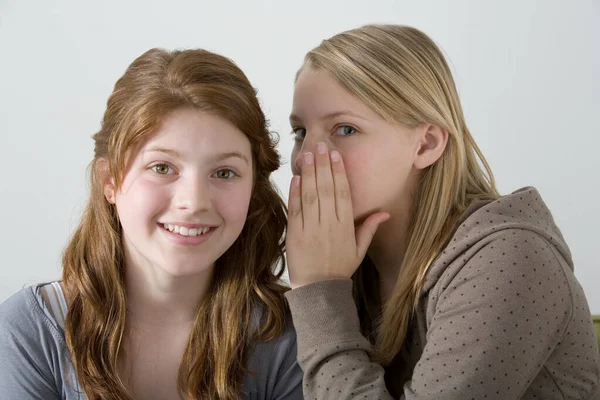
x=247 y=275
x=401 y=74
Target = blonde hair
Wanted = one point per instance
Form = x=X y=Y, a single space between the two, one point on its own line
x=401 y=74
x=246 y=276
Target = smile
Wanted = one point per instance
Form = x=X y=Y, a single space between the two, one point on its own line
x=183 y=231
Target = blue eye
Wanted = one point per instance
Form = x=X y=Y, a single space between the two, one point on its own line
x=345 y=130
x=162 y=169
x=299 y=134
x=225 y=174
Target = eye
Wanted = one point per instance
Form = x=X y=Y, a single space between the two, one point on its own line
x=345 y=130
x=298 y=133
x=225 y=174
x=162 y=169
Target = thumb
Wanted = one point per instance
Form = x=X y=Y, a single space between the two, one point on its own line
x=365 y=233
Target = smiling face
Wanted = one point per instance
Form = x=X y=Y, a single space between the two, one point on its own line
x=184 y=199
x=379 y=156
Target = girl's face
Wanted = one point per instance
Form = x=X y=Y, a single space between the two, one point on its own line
x=378 y=155
x=185 y=197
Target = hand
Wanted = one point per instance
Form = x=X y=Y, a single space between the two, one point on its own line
x=321 y=239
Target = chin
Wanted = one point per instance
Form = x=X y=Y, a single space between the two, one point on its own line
x=187 y=270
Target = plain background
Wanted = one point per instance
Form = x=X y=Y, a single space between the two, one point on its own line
x=527 y=72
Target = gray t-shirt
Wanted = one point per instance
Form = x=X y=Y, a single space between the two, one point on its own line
x=35 y=361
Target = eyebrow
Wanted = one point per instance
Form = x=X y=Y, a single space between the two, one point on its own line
x=331 y=115
x=215 y=158
x=171 y=152
x=231 y=154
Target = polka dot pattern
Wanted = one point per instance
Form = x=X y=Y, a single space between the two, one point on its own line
x=501 y=317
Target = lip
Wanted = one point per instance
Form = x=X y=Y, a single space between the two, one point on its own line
x=188 y=225
x=181 y=240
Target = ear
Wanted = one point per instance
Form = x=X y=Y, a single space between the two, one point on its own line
x=107 y=180
x=431 y=146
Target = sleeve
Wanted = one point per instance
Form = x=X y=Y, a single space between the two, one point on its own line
x=494 y=325
x=332 y=352
x=23 y=374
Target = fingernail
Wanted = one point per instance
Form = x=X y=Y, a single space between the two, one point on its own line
x=296 y=181
x=308 y=158
x=321 y=148
x=335 y=156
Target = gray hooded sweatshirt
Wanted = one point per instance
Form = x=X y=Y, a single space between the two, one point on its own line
x=501 y=316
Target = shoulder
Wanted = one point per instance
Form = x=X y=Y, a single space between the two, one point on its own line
x=273 y=365
x=277 y=349
x=514 y=256
x=26 y=310
x=24 y=317
x=21 y=311
x=514 y=291
x=31 y=347
x=512 y=272
x=516 y=230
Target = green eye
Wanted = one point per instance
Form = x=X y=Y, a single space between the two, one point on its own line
x=162 y=169
x=225 y=174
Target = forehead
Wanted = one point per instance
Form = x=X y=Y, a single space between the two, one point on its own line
x=198 y=133
x=318 y=94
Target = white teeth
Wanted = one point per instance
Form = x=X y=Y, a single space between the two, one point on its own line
x=183 y=231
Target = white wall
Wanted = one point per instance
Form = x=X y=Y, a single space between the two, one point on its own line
x=528 y=72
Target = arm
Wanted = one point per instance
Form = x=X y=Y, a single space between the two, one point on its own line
x=323 y=250
x=493 y=327
x=331 y=350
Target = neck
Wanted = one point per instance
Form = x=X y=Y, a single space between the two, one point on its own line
x=387 y=252
x=388 y=247
x=157 y=298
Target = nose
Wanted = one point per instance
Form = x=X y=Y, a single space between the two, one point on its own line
x=308 y=145
x=193 y=194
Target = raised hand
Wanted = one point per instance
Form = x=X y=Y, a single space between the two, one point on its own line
x=322 y=242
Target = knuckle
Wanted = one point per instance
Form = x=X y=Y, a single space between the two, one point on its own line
x=308 y=169
x=325 y=190
x=344 y=193
x=309 y=197
x=295 y=211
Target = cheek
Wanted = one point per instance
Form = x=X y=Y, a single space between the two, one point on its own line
x=376 y=178
x=232 y=204
x=141 y=199
x=359 y=171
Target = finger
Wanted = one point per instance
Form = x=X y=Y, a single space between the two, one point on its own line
x=295 y=205
x=308 y=187
x=325 y=187
x=365 y=233
x=343 y=200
